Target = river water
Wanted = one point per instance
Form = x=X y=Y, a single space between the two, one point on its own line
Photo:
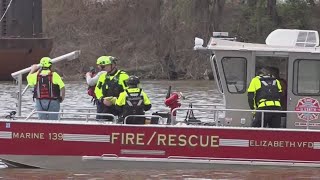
x=197 y=92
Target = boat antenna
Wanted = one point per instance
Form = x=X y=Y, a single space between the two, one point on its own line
x=168 y=92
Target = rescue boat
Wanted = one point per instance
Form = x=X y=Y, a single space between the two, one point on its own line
x=81 y=142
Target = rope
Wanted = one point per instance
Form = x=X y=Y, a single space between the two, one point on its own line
x=5 y=12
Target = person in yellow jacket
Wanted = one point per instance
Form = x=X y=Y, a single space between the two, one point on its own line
x=264 y=93
x=110 y=84
x=133 y=101
x=49 y=89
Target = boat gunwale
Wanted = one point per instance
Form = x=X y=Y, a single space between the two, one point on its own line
x=104 y=123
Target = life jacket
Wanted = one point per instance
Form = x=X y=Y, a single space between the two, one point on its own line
x=111 y=86
x=44 y=88
x=90 y=90
x=269 y=90
x=134 y=104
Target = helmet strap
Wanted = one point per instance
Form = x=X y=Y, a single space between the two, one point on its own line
x=45 y=68
x=113 y=67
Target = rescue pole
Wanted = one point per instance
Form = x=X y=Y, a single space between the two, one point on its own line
x=18 y=75
x=70 y=56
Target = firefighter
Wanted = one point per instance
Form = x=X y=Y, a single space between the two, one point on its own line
x=110 y=84
x=49 y=89
x=264 y=94
x=133 y=101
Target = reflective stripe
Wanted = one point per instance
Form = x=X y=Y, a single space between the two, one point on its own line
x=139 y=103
x=269 y=103
x=129 y=103
x=274 y=82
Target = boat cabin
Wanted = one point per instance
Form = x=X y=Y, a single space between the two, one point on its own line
x=292 y=55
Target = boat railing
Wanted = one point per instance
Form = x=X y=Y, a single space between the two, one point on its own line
x=18 y=76
x=114 y=119
x=61 y=114
x=90 y=111
x=79 y=109
x=144 y=116
x=216 y=111
x=214 y=105
x=87 y=114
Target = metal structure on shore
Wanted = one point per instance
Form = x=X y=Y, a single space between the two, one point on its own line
x=22 y=42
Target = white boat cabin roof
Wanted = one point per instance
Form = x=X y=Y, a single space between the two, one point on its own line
x=280 y=40
x=221 y=44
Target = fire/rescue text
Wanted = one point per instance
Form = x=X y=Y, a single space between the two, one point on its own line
x=180 y=140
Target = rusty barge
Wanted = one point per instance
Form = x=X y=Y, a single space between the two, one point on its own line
x=22 y=42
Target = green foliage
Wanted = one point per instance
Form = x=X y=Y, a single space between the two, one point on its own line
x=295 y=14
x=256 y=24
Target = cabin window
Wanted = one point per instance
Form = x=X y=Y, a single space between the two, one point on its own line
x=306 y=77
x=306 y=39
x=235 y=73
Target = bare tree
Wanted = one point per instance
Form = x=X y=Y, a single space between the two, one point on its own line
x=272 y=10
x=311 y=2
x=167 y=44
x=217 y=11
x=252 y=3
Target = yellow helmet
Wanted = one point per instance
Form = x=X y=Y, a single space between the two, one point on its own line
x=45 y=62
x=106 y=60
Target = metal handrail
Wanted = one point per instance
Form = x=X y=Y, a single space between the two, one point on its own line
x=78 y=113
x=214 y=104
x=89 y=109
x=243 y=110
x=79 y=109
x=156 y=116
x=246 y=110
x=18 y=76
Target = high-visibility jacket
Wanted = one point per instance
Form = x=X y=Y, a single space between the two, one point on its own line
x=264 y=91
x=111 y=85
x=133 y=101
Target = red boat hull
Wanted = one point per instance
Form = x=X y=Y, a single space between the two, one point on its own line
x=25 y=141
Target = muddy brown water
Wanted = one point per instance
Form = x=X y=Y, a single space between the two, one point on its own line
x=195 y=91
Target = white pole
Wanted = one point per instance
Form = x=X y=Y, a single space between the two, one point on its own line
x=69 y=56
x=19 y=94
